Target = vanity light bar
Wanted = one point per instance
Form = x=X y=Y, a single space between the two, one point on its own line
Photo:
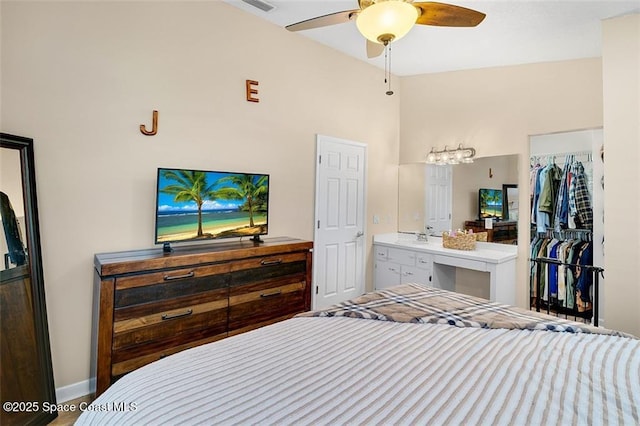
x=448 y=156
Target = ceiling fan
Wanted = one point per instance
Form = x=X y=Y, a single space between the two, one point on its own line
x=384 y=21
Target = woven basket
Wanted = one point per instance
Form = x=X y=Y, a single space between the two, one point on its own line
x=459 y=242
x=481 y=236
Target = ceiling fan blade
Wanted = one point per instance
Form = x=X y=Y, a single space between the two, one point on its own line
x=374 y=49
x=323 y=21
x=447 y=15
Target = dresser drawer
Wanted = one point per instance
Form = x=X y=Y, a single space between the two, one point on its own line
x=166 y=285
x=131 y=358
x=255 y=305
x=270 y=267
x=141 y=340
x=167 y=324
x=157 y=311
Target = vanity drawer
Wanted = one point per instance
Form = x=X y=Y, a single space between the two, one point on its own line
x=382 y=253
x=424 y=261
x=403 y=257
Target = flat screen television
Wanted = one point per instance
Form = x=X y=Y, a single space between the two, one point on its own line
x=193 y=205
x=490 y=203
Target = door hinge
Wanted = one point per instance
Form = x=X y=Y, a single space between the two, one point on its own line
x=318 y=224
x=319 y=159
x=316 y=289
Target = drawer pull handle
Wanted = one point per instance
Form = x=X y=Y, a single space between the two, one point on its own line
x=179 y=277
x=275 y=293
x=174 y=316
x=270 y=262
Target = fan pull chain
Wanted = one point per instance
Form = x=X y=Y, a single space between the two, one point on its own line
x=387 y=67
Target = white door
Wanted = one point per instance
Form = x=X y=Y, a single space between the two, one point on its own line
x=338 y=254
x=438 y=198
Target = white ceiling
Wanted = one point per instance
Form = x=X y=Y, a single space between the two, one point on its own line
x=514 y=32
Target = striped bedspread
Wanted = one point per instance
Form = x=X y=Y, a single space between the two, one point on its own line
x=337 y=370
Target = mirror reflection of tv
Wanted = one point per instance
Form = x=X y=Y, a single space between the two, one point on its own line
x=490 y=203
x=196 y=205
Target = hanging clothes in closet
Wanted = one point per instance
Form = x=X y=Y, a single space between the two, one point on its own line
x=562 y=221
x=580 y=206
x=559 y=285
x=560 y=198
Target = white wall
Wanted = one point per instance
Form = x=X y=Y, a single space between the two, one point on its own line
x=621 y=74
x=80 y=77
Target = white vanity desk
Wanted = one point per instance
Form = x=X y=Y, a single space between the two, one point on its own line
x=401 y=258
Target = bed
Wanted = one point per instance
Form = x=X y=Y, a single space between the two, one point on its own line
x=405 y=355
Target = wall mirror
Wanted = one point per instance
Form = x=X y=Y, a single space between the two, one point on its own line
x=26 y=371
x=466 y=181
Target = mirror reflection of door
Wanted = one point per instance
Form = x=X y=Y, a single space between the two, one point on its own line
x=12 y=232
x=511 y=203
x=438 y=198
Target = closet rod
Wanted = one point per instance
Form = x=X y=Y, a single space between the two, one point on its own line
x=575 y=230
x=570 y=229
x=561 y=154
x=557 y=262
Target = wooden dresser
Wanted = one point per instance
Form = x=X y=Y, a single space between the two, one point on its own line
x=504 y=232
x=149 y=304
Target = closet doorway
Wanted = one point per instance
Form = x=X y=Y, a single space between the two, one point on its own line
x=577 y=158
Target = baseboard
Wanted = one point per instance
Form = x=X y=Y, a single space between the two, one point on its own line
x=75 y=390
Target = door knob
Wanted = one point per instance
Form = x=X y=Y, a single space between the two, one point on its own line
x=359 y=234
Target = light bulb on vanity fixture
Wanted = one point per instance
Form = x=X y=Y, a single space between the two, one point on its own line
x=432 y=156
x=447 y=156
x=444 y=156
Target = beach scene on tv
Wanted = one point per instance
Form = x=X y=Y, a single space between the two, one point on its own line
x=490 y=203
x=193 y=205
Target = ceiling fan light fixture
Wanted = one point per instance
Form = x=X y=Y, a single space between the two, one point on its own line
x=387 y=20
